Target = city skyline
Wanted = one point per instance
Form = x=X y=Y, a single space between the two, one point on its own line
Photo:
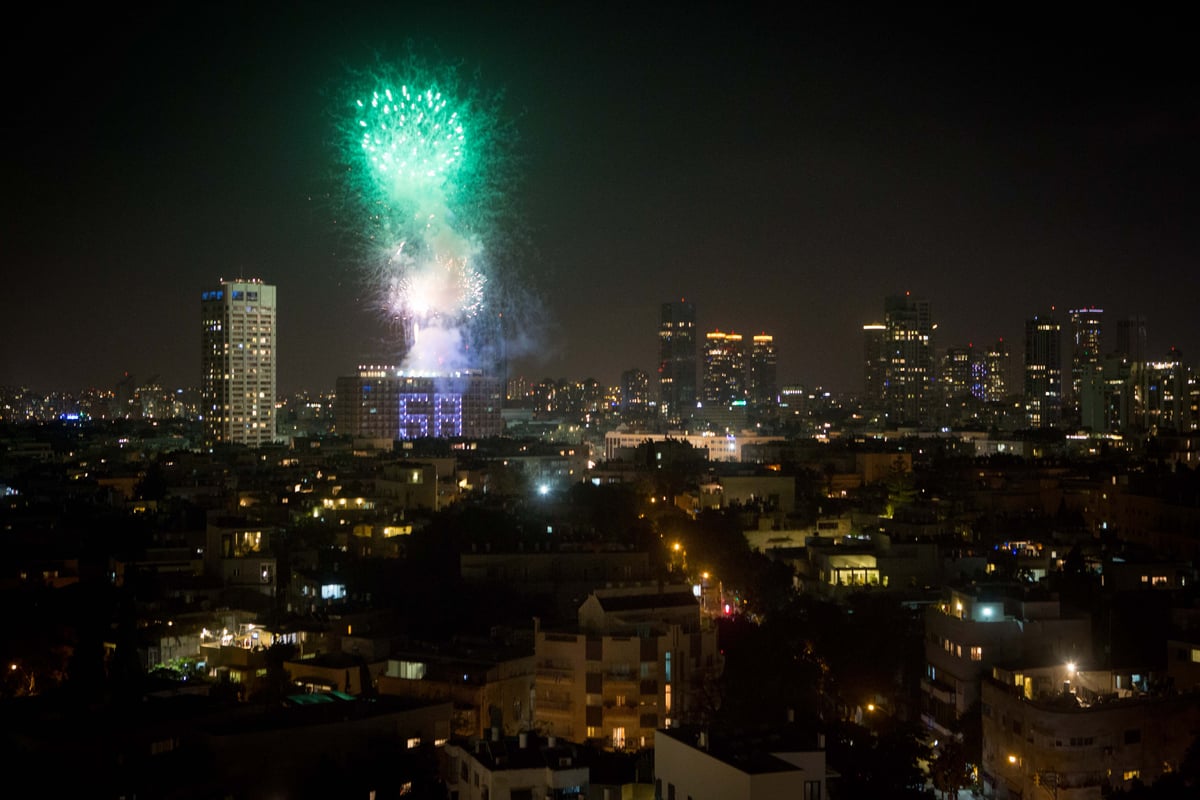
x=783 y=178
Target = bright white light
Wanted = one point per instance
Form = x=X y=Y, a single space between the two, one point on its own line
x=543 y=489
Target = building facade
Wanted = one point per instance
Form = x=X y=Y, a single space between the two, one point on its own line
x=1086 y=329
x=1043 y=372
x=1080 y=735
x=238 y=362
x=762 y=382
x=724 y=368
x=386 y=403
x=970 y=631
x=677 y=361
x=908 y=359
x=636 y=663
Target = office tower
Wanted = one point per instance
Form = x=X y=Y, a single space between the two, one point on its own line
x=1131 y=338
x=1086 y=330
x=996 y=362
x=724 y=368
x=384 y=402
x=874 y=363
x=762 y=386
x=635 y=392
x=908 y=358
x=239 y=358
x=958 y=372
x=1043 y=371
x=1162 y=398
x=677 y=362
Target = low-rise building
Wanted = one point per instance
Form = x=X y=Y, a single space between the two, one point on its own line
x=701 y=764
x=521 y=767
x=978 y=627
x=1075 y=734
x=636 y=663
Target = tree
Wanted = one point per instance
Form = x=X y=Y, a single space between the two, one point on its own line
x=949 y=769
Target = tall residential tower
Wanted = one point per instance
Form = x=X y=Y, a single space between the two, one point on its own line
x=238 y=359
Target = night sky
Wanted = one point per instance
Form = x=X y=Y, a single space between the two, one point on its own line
x=782 y=171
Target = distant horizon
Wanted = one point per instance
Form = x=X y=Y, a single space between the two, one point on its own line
x=784 y=177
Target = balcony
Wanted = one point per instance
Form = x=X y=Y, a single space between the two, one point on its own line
x=555 y=675
x=562 y=706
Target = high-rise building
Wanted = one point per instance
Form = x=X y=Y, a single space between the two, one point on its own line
x=908 y=358
x=1043 y=371
x=635 y=392
x=762 y=383
x=1162 y=394
x=238 y=361
x=677 y=361
x=995 y=372
x=1131 y=338
x=724 y=368
x=958 y=373
x=874 y=364
x=1086 y=328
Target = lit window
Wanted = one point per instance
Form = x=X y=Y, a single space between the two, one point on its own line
x=618 y=738
x=414 y=742
x=1131 y=774
x=977 y=654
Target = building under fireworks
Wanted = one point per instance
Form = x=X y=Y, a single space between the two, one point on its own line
x=389 y=403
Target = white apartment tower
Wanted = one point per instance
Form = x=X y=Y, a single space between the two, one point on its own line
x=238 y=359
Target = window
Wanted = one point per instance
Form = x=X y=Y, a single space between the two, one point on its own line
x=618 y=738
x=812 y=790
x=414 y=741
x=1131 y=774
x=977 y=654
x=1133 y=736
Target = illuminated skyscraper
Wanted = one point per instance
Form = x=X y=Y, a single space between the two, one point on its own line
x=677 y=362
x=635 y=392
x=908 y=358
x=238 y=361
x=1085 y=353
x=995 y=372
x=762 y=383
x=1043 y=372
x=960 y=373
x=724 y=368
